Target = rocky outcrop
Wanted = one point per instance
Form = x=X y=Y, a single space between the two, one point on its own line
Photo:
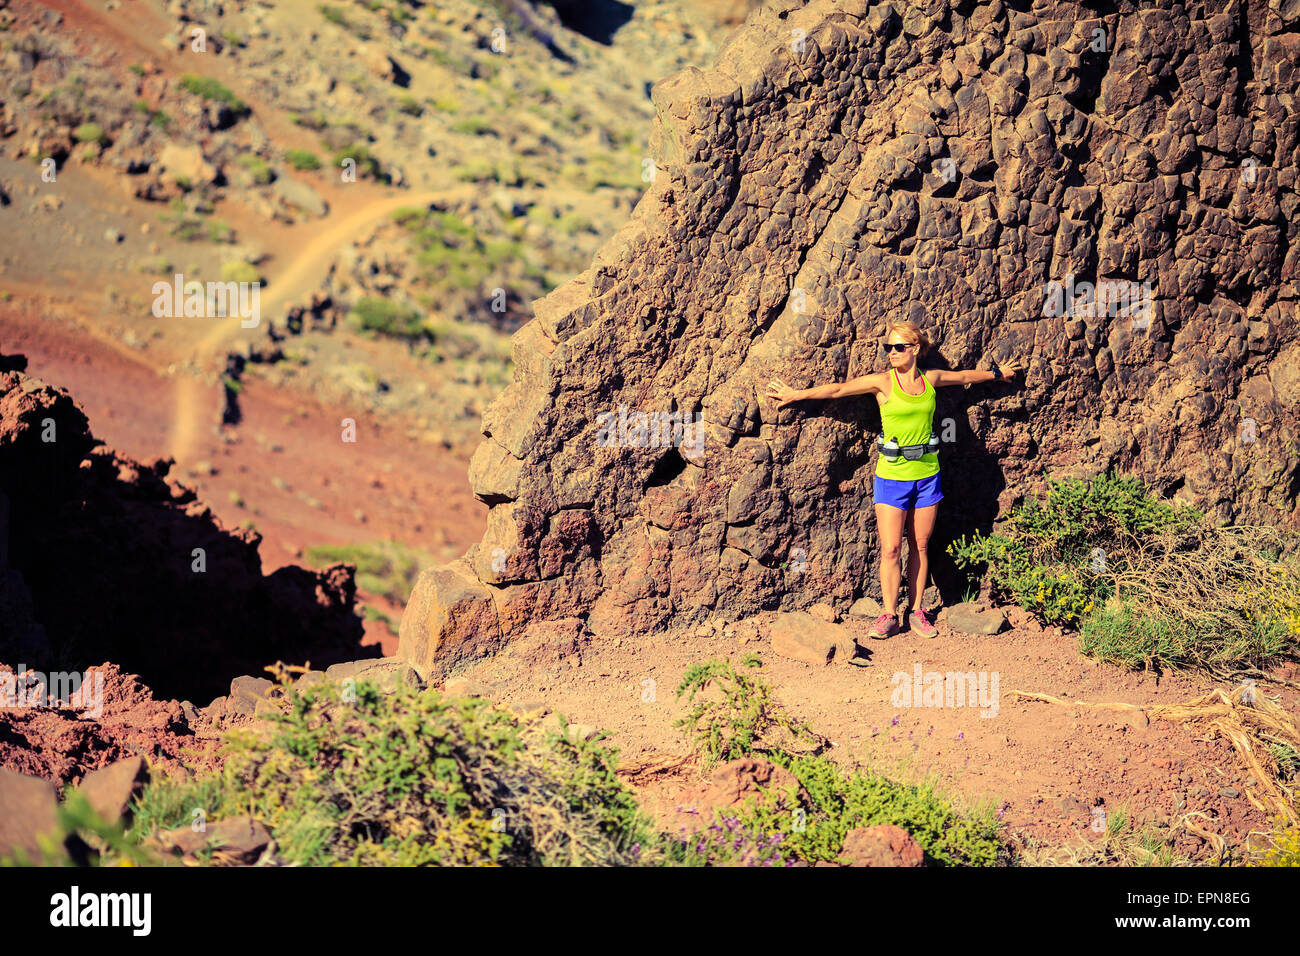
x=106 y=558
x=964 y=165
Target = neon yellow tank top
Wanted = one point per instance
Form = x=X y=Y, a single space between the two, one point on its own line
x=908 y=419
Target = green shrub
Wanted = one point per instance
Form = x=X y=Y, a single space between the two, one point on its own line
x=356 y=777
x=237 y=270
x=842 y=800
x=315 y=120
x=257 y=167
x=409 y=105
x=90 y=133
x=475 y=125
x=301 y=159
x=1148 y=582
x=366 y=163
x=1058 y=557
x=332 y=14
x=388 y=318
x=384 y=568
x=218 y=231
x=211 y=89
x=733 y=714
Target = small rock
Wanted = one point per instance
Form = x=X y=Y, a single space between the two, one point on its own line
x=969 y=619
x=885 y=845
x=866 y=607
x=465 y=687
x=387 y=673
x=253 y=687
x=238 y=840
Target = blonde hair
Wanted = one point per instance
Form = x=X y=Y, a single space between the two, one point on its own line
x=911 y=333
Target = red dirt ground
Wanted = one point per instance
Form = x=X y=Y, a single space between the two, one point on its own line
x=1042 y=765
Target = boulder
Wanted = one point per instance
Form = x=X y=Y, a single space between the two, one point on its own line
x=802 y=637
x=180 y=163
x=300 y=196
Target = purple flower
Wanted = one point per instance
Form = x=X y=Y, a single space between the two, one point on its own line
x=961 y=735
x=894 y=722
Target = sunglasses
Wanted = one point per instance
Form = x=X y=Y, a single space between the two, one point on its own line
x=896 y=346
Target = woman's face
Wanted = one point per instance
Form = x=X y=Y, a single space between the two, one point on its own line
x=900 y=358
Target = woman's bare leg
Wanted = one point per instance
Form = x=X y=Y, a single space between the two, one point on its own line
x=889 y=526
x=920 y=525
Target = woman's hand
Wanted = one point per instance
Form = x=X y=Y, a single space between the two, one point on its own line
x=781 y=392
x=1010 y=370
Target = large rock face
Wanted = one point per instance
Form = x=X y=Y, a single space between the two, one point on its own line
x=946 y=162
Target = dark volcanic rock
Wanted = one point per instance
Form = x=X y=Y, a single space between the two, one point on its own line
x=107 y=559
x=967 y=166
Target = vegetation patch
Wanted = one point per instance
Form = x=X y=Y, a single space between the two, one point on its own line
x=357 y=777
x=211 y=89
x=384 y=568
x=1146 y=581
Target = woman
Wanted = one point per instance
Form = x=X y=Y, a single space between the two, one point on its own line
x=907 y=493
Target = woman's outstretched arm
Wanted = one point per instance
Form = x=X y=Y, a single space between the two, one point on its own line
x=862 y=385
x=939 y=377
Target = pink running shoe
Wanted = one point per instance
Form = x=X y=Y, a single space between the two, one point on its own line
x=922 y=624
x=886 y=626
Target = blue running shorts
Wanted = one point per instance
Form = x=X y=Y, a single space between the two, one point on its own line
x=907 y=495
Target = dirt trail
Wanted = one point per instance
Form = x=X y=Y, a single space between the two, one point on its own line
x=302 y=275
